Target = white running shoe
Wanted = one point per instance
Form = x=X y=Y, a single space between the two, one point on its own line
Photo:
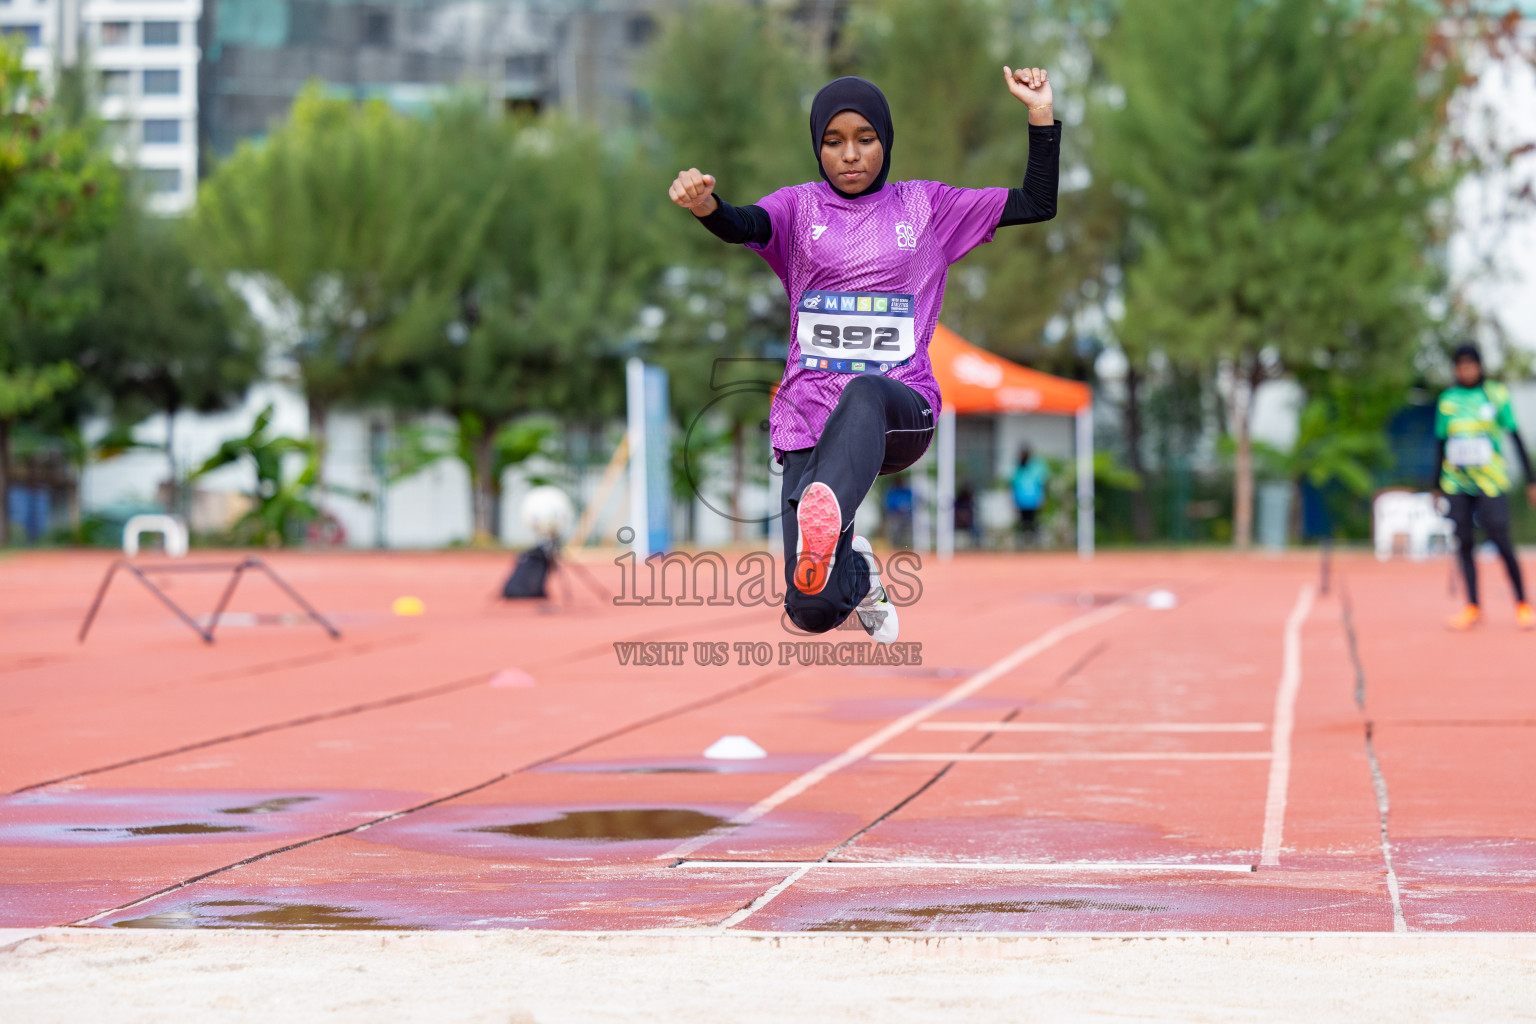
x=876 y=613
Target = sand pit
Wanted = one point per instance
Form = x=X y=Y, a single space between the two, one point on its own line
x=554 y=978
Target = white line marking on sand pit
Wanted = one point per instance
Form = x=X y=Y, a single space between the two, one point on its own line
x=1083 y=755
x=868 y=745
x=1285 y=724
x=1092 y=727
x=952 y=865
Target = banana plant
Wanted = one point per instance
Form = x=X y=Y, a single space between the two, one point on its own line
x=281 y=502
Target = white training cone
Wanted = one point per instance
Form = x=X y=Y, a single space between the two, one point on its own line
x=1162 y=600
x=734 y=748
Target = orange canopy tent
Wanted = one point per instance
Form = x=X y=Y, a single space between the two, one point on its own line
x=973 y=380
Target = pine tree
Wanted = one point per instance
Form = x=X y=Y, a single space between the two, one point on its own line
x=1284 y=166
x=57 y=195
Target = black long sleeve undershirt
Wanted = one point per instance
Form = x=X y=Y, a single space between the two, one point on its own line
x=1525 y=460
x=1030 y=204
x=739 y=224
x=1036 y=200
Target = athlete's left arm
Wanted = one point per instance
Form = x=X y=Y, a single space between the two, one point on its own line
x=1506 y=419
x=1036 y=200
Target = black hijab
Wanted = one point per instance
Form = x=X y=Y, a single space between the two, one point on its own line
x=1467 y=350
x=862 y=97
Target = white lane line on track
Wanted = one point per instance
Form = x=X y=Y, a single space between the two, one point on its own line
x=1379 y=781
x=1284 y=725
x=949 y=865
x=1092 y=727
x=1084 y=755
x=871 y=743
x=767 y=897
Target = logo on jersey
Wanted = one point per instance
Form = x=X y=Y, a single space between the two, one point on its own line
x=812 y=302
x=817 y=230
x=906 y=236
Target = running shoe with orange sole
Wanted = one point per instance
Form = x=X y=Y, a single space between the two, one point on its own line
x=1525 y=615
x=821 y=523
x=1465 y=619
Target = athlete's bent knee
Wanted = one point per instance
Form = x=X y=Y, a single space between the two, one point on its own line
x=862 y=392
x=812 y=616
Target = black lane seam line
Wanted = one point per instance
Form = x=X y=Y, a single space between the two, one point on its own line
x=292 y=723
x=1092 y=653
x=1378 y=777
x=1348 y=608
x=1082 y=663
x=1072 y=670
x=264 y=668
x=1383 y=805
x=661 y=716
x=283 y=849
x=30 y=662
x=607 y=648
x=919 y=791
x=752 y=684
x=315 y=658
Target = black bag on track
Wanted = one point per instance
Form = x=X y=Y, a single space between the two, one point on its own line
x=528 y=575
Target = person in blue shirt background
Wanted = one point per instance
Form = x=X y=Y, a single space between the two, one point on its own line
x=898 y=512
x=1029 y=491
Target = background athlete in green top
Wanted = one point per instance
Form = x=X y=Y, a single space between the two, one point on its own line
x=1471 y=421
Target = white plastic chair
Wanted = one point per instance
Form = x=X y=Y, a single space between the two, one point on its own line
x=1411 y=515
x=171 y=528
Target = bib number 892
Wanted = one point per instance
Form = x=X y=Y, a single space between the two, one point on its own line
x=856 y=336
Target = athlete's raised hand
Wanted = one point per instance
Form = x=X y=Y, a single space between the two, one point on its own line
x=694 y=191
x=1031 y=87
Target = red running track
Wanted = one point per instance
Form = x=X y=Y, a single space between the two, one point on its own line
x=1063 y=758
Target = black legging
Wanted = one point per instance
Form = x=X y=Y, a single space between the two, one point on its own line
x=880 y=426
x=1492 y=514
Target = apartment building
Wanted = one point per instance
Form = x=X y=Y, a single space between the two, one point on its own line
x=143 y=56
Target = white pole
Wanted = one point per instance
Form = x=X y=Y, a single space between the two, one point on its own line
x=920 y=494
x=1085 y=481
x=634 y=375
x=946 y=503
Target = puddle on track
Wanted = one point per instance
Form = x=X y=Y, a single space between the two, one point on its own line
x=613 y=826
x=904 y=919
x=234 y=914
x=185 y=828
x=276 y=805
x=60 y=816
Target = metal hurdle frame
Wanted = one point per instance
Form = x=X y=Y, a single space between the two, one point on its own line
x=237 y=570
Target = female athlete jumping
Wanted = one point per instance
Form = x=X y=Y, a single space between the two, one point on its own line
x=864 y=264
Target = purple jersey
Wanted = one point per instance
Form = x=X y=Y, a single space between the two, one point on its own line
x=895 y=243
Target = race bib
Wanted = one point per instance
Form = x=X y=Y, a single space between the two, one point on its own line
x=856 y=332
x=1469 y=451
